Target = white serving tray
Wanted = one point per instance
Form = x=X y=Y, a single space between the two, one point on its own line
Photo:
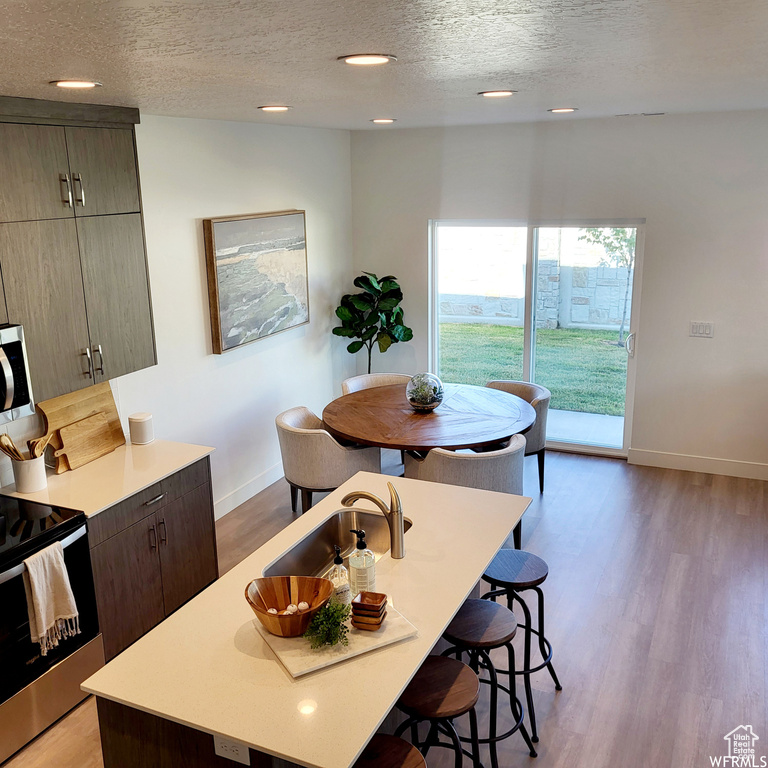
x=295 y=654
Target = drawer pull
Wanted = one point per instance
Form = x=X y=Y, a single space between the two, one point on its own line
x=154 y=501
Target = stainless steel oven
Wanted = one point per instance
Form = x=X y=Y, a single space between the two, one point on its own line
x=15 y=386
x=36 y=690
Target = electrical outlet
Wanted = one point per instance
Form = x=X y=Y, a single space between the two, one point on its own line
x=702 y=329
x=232 y=750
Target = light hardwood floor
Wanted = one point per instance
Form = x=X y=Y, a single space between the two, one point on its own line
x=656 y=607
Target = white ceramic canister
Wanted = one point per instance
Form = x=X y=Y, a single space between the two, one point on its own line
x=141 y=428
x=30 y=475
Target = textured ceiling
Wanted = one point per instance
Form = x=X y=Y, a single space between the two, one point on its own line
x=223 y=58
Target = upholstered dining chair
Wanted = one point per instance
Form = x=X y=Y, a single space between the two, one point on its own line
x=370 y=380
x=313 y=460
x=500 y=470
x=536 y=436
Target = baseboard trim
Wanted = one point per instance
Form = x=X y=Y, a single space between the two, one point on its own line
x=746 y=469
x=248 y=490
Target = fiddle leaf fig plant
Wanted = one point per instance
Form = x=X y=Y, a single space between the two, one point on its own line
x=373 y=316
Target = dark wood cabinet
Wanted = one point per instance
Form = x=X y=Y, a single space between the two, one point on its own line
x=187 y=550
x=44 y=292
x=35 y=173
x=72 y=242
x=151 y=553
x=102 y=164
x=129 y=589
x=116 y=294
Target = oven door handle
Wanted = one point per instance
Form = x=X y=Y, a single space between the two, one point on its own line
x=65 y=542
x=5 y=364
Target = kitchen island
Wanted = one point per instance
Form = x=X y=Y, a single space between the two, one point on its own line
x=207 y=671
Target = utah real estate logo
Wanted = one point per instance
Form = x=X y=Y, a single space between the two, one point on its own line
x=741 y=750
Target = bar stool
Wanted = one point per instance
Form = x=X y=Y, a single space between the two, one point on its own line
x=385 y=751
x=479 y=627
x=514 y=571
x=442 y=690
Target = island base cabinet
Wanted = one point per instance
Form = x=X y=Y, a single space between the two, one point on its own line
x=151 y=553
x=134 y=739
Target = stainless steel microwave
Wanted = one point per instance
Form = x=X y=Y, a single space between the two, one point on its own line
x=15 y=386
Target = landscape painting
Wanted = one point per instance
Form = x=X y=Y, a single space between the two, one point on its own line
x=257 y=276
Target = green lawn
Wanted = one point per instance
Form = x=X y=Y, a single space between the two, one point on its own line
x=583 y=369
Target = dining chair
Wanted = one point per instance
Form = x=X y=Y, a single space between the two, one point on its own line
x=370 y=380
x=536 y=436
x=500 y=470
x=313 y=461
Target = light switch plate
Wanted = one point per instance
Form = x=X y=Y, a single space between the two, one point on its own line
x=232 y=750
x=702 y=329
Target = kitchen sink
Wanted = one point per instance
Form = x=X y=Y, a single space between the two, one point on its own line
x=313 y=555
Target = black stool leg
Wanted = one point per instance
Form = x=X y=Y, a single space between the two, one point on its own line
x=475 y=739
x=515 y=705
x=517 y=535
x=526 y=662
x=493 y=711
x=542 y=644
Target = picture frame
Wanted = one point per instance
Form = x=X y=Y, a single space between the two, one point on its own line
x=258 y=283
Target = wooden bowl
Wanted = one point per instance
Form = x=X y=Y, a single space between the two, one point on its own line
x=279 y=592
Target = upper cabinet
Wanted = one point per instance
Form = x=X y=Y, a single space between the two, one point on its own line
x=102 y=165
x=37 y=183
x=72 y=256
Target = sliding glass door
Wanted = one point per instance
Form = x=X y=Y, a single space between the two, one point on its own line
x=546 y=304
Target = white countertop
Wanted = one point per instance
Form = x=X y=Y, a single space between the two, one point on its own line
x=127 y=470
x=207 y=667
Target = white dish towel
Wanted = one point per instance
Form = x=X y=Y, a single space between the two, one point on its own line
x=51 y=605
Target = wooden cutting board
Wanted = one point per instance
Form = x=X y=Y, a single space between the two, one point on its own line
x=67 y=409
x=85 y=440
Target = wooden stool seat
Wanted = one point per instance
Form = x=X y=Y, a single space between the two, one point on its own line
x=481 y=624
x=389 y=752
x=516 y=569
x=442 y=688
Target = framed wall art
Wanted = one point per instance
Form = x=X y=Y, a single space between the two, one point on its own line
x=257 y=276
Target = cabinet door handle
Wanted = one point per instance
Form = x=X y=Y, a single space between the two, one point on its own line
x=87 y=354
x=163 y=531
x=77 y=178
x=68 y=199
x=154 y=501
x=100 y=369
x=153 y=537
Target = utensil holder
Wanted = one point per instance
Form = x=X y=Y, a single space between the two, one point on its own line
x=30 y=475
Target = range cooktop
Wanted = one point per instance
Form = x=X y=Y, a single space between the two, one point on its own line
x=27 y=525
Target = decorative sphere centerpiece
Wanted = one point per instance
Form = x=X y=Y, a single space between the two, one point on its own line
x=424 y=392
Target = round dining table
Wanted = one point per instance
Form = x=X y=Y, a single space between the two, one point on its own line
x=468 y=417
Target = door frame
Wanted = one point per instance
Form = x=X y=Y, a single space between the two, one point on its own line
x=529 y=330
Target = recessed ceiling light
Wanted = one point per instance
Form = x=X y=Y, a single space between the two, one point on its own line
x=367 y=59
x=274 y=108
x=495 y=94
x=383 y=120
x=75 y=83
x=562 y=110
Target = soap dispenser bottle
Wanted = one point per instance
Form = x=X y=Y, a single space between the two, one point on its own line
x=362 y=566
x=340 y=579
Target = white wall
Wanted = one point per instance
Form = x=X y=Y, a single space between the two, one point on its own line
x=195 y=169
x=700 y=181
